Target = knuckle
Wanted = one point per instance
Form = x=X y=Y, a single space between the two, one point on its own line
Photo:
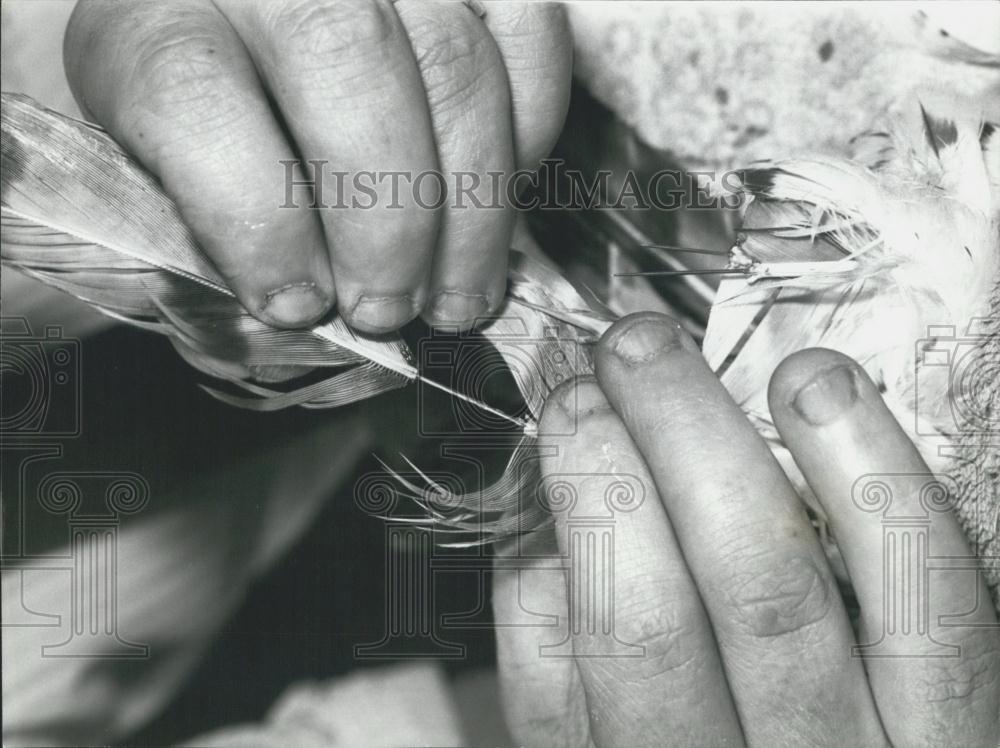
x=671 y=644
x=552 y=19
x=166 y=64
x=328 y=31
x=182 y=76
x=183 y=97
x=779 y=596
x=531 y=21
x=455 y=57
x=180 y=62
x=440 y=42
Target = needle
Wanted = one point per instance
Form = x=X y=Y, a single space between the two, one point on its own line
x=691 y=250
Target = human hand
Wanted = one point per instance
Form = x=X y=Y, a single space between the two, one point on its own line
x=213 y=95
x=723 y=603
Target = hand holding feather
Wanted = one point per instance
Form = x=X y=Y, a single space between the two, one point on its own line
x=919 y=224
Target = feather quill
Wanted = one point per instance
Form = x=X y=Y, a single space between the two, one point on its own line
x=81 y=215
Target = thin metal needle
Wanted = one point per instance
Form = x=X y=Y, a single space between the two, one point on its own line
x=719 y=271
x=522 y=423
x=691 y=250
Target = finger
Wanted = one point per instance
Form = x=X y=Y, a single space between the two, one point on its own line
x=469 y=99
x=172 y=82
x=543 y=697
x=782 y=629
x=347 y=84
x=643 y=643
x=934 y=684
x=537 y=49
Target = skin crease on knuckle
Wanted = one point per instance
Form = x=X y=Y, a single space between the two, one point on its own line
x=175 y=84
x=969 y=679
x=178 y=97
x=339 y=51
x=536 y=38
x=671 y=644
x=162 y=67
x=455 y=59
x=333 y=31
x=953 y=695
x=537 y=49
x=778 y=595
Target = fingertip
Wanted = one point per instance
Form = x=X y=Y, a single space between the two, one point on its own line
x=457 y=309
x=815 y=386
x=569 y=402
x=294 y=305
x=378 y=314
x=641 y=338
x=468 y=306
x=279 y=269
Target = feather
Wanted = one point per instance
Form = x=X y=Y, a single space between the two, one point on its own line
x=831 y=253
x=80 y=215
x=919 y=215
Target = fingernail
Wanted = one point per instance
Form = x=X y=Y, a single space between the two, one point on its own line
x=589 y=397
x=294 y=305
x=581 y=397
x=569 y=404
x=382 y=313
x=456 y=307
x=827 y=396
x=647 y=339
